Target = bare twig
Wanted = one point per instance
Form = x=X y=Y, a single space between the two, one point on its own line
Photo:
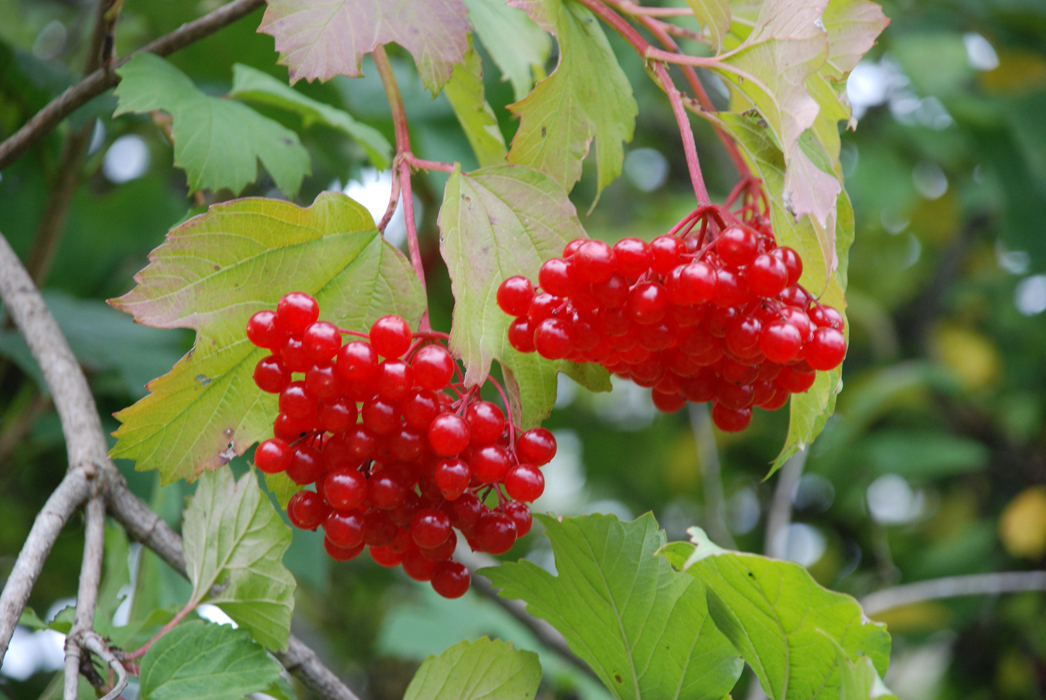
x=104 y=78
x=545 y=633
x=711 y=476
x=953 y=587
x=780 y=515
x=87 y=592
x=95 y=644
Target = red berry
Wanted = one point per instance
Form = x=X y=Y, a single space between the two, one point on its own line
x=419 y=408
x=537 y=446
x=306 y=464
x=323 y=382
x=361 y=442
x=730 y=290
x=385 y=557
x=486 y=422
x=779 y=399
x=826 y=317
x=793 y=263
x=795 y=382
x=490 y=463
x=345 y=489
x=450 y=579
x=449 y=434
x=520 y=515
x=521 y=335
x=648 y=302
x=737 y=246
x=543 y=306
x=321 y=340
x=344 y=528
x=525 y=482
x=380 y=416
x=265 y=331
x=552 y=339
x=296 y=311
x=385 y=491
x=667 y=403
x=290 y=429
x=495 y=532
x=452 y=476
x=729 y=420
x=357 y=361
x=306 y=510
x=298 y=402
x=378 y=530
x=734 y=396
x=337 y=416
x=430 y=528
x=742 y=334
x=390 y=336
x=270 y=375
x=417 y=566
x=794 y=296
x=293 y=355
x=433 y=367
x=442 y=552
x=341 y=553
x=394 y=380
x=766 y=276
x=465 y=511
x=780 y=342
x=569 y=248
x=664 y=253
x=514 y=295
x=826 y=350
x=272 y=456
x=611 y=292
x=593 y=261
x=633 y=256
x=555 y=277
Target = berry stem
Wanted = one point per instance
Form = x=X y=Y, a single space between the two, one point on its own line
x=401 y=166
x=508 y=410
x=643 y=47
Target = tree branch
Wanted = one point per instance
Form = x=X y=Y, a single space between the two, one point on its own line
x=953 y=587
x=780 y=515
x=87 y=592
x=104 y=78
x=711 y=476
x=94 y=643
x=545 y=633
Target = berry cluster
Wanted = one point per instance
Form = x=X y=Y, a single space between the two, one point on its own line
x=710 y=312
x=400 y=452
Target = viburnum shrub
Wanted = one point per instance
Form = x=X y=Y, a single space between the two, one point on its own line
x=711 y=311
x=400 y=453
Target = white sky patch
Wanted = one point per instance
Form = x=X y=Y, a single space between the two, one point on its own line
x=127 y=159
x=1030 y=295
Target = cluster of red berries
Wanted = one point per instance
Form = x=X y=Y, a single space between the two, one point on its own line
x=400 y=452
x=710 y=312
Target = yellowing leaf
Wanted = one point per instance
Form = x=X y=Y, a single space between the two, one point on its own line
x=497 y=222
x=588 y=96
x=714 y=16
x=969 y=354
x=465 y=93
x=211 y=275
x=1022 y=525
x=325 y=38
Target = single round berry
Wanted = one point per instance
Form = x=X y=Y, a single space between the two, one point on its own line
x=593 y=261
x=556 y=277
x=385 y=491
x=449 y=434
x=357 y=361
x=537 y=446
x=390 y=336
x=265 y=331
x=543 y=306
x=306 y=510
x=795 y=382
x=452 y=476
x=345 y=489
x=664 y=253
x=737 y=246
x=417 y=566
x=486 y=422
x=402 y=514
x=730 y=290
x=442 y=552
x=361 y=442
x=520 y=515
x=730 y=420
x=465 y=511
x=296 y=311
x=780 y=342
x=766 y=276
x=742 y=334
x=385 y=557
x=667 y=403
x=341 y=553
x=521 y=334
x=394 y=380
x=306 y=464
x=419 y=408
x=450 y=579
x=430 y=528
x=270 y=375
x=344 y=528
x=433 y=367
x=612 y=292
x=290 y=429
x=525 y=482
x=380 y=416
x=293 y=355
x=552 y=339
x=337 y=416
x=632 y=256
x=514 y=295
x=298 y=402
x=378 y=530
x=321 y=340
x=826 y=317
x=273 y=456
x=793 y=263
x=779 y=399
x=490 y=463
x=826 y=350
x=648 y=302
x=495 y=533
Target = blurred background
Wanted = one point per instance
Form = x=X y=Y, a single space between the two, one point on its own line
x=933 y=466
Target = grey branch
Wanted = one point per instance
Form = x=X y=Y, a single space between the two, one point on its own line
x=780 y=515
x=104 y=78
x=94 y=643
x=545 y=633
x=953 y=587
x=711 y=476
x=86 y=593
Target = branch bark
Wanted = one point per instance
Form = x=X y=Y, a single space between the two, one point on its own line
x=711 y=476
x=954 y=587
x=104 y=78
x=780 y=515
x=86 y=594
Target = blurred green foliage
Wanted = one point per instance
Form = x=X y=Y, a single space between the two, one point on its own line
x=939 y=428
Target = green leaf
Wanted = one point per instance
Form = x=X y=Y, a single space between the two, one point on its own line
x=516 y=44
x=322 y=39
x=714 y=15
x=477 y=670
x=785 y=625
x=497 y=222
x=588 y=96
x=282 y=487
x=30 y=619
x=235 y=539
x=218 y=142
x=920 y=454
x=465 y=93
x=643 y=629
x=252 y=85
x=63 y=620
x=211 y=275
x=205 y=661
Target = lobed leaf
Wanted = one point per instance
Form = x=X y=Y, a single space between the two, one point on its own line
x=217 y=142
x=716 y=18
x=479 y=670
x=324 y=38
x=516 y=44
x=215 y=271
x=785 y=625
x=251 y=85
x=497 y=222
x=643 y=629
x=205 y=661
x=235 y=539
x=852 y=27
x=465 y=93
x=588 y=96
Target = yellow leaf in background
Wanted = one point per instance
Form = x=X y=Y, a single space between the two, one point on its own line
x=971 y=356
x=1022 y=526
x=1017 y=72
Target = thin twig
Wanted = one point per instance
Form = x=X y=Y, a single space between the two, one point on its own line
x=95 y=644
x=87 y=592
x=104 y=78
x=711 y=476
x=542 y=630
x=953 y=587
x=780 y=515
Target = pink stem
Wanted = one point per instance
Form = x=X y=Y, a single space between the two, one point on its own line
x=189 y=607
x=420 y=164
x=508 y=411
x=635 y=9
